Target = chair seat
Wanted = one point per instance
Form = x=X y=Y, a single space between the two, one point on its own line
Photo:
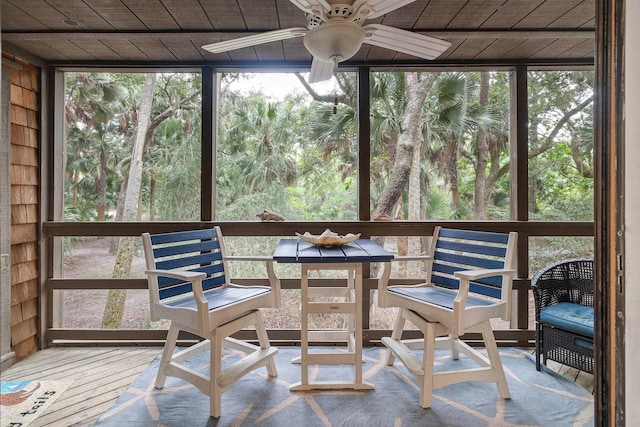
x=221 y=297
x=570 y=316
x=437 y=296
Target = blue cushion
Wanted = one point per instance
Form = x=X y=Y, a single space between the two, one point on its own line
x=570 y=316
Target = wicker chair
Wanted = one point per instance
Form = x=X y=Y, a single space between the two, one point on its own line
x=563 y=295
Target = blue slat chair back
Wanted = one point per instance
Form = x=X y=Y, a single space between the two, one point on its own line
x=197 y=251
x=457 y=250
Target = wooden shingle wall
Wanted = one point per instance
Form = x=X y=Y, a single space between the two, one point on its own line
x=25 y=180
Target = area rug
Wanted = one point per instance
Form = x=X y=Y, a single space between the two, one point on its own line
x=537 y=398
x=21 y=402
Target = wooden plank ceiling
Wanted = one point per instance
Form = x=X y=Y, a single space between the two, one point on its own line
x=173 y=31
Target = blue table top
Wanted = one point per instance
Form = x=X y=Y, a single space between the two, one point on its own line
x=299 y=251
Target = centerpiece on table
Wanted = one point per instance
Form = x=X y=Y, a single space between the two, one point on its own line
x=328 y=238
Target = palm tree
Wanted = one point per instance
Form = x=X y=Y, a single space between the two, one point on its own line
x=257 y=146
x=172 y=168
x=91 y=105
x=460 y=124
x=396 y=99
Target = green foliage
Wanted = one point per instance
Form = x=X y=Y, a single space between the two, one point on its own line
x=247 y=206
x=294 y=155
x=546 y=250
x=324 y=196
x=101 y=113
x=438 y=205
x=561 y=175
x=561 y=191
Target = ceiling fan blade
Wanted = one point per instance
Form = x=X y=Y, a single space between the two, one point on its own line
x=379 y=7
x=321 y=71
x=310 y=5
x=269 y=36
x=405 y=41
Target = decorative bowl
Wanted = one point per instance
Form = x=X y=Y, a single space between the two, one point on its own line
x=328 y=238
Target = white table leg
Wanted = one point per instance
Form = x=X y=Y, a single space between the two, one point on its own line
x=352 y=307
x=358 y=326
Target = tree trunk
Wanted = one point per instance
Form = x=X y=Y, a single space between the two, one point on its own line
x=76 y=180
x=415 y=197
x=416 y=193
x=152 y=197
x=451 y=154
x=482 y=192
x=102 y=186
x=416 y=90
x=113 y=248
x=584 y=169
x=114 y=309
x=402 y=242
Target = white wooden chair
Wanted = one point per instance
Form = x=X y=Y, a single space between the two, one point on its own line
x=468 y=282
x=189 y=285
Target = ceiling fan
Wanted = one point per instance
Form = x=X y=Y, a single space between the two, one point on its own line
x=336 y=31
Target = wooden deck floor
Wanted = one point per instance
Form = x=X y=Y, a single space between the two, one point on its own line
x=101 y=374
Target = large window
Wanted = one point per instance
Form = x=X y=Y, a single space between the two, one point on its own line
x=561 y=145
x=449 y=130
x=109 y=163
x=439 y=151
x=286 y=146
x=132 y=153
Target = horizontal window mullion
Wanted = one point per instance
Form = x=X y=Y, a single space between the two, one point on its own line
x=92 y=284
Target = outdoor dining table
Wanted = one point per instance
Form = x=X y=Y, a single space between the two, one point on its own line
x=346 y=300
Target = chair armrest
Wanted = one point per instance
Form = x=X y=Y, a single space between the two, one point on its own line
x=274 y=282
x=195 y=277
x=187 y=276
x=467 y=276
x=411 y=258
x=386 y=272
x=248 y=258
x=479 y=274
x=460 y=301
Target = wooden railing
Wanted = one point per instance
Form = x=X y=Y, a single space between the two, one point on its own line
x=517 y=335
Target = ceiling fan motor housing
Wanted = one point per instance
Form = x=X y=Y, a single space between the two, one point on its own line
x=334 y=41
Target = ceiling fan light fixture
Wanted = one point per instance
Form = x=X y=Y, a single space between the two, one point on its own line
x=334 y=41
x=335 y=32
